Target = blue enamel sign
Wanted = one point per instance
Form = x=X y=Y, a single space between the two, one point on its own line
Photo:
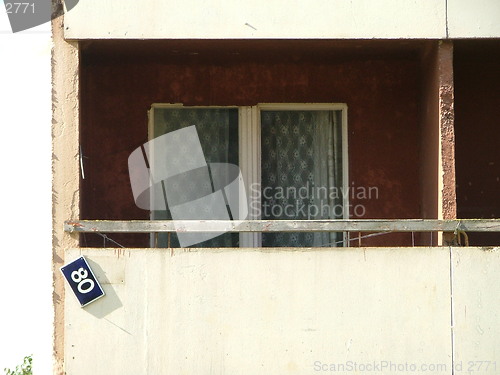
x=82 y=281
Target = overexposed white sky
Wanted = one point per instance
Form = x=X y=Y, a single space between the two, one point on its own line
x=25 y=191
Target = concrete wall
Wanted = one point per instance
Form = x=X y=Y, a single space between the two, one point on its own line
x=257 y=19
x=436 y=112
x=323 y=19
x=253 y=312
x=476 y=306
x=437 y=144
x=65 y=168
x=284 y=312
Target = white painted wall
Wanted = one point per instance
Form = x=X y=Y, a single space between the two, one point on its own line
x=474 y=19
x=476 y=300
x=261 y=312
x=246 y=311
x=257 y=19
x=25 y=163
x=288 y=19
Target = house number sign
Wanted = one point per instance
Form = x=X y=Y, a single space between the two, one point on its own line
x=82 y=281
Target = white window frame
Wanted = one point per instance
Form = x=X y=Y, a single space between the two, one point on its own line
x=249 y=138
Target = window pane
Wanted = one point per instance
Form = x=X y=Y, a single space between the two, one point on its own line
x=301 y=173
x=217 y=129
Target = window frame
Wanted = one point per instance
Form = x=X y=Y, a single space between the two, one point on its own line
x=250 y=149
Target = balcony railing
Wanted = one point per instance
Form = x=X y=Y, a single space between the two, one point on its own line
x=365 y=225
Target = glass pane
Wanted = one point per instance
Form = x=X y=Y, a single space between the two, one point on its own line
x=217 y=130
x=301 y=173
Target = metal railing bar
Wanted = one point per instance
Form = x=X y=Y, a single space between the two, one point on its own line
x=236 y=226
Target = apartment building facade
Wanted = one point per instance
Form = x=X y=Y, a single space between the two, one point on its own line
x=384 y=112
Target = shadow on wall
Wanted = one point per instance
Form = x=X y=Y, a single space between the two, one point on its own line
x=110 y=302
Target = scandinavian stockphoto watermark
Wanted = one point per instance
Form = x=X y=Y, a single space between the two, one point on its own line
x=170 y=172
x=28 y=14
x=399 y=367
x=309 y=201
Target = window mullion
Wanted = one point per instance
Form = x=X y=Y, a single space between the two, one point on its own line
x=250 y=156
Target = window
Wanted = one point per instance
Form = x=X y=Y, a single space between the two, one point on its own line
x=292 y=157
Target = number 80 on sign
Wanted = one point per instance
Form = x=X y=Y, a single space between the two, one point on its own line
x=82 y=281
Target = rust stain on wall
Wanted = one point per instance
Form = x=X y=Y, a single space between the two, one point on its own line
x=379 y=83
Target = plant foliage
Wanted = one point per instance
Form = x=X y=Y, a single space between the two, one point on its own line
x=24 y=369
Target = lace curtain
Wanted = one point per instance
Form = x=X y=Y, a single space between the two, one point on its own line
x=301 y=173
x=301 y=167
x=217 y=130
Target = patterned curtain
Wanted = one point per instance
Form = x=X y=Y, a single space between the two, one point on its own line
x=217 y=129
x=301 y=160
x=301 y=173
